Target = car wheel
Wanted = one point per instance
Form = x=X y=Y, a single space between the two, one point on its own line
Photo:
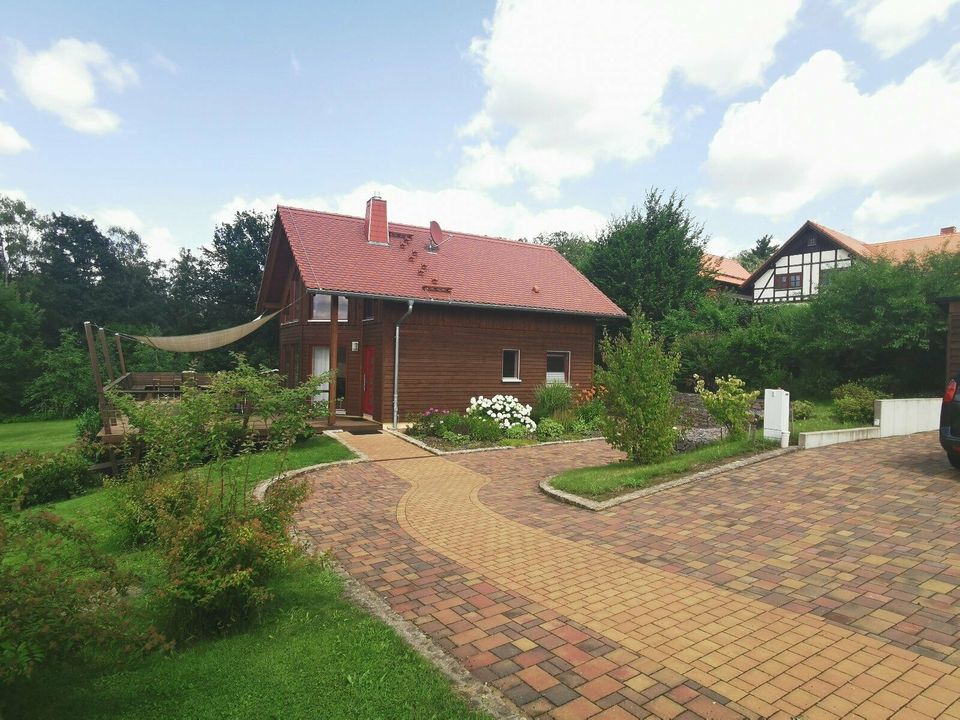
x=954 y=460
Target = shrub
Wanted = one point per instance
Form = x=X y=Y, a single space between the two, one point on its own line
x=506 y=410
x=518 y=432
x=88 y=424
x=566 y=417
x=60 y=596
x=453 y=437
x=802 y=410
x=214 y=424
x=430 y=423
x=64 y=387
x=590 y=411
x=637 y=393
x=551 y=398
x=549 y=429
x=482 y=428
x=729 y=404
x=853 y=402
x=220 y=554
x=29 y=478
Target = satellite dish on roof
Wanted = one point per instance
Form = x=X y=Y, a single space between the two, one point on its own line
x=436 y=236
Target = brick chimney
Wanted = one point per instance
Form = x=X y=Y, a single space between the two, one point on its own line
x=948 y=230
x=377 y=232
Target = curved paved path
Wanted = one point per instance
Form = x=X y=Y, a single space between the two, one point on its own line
x=821 y=583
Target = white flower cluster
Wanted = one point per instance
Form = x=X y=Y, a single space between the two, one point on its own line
x=505 y=409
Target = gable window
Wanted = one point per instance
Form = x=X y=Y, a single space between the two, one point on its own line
x=788 y=281
x=320 y=308
x=511 y=366
x=558 y=367
x=369 y=309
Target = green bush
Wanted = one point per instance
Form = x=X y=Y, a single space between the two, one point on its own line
x=61 y=598
x=88 y=424
x=590 y=411
x=29 y=478
x=729 y=404
x=551 y=398
x=853 y=402
x=549 y=429
x=565 y=417
x=429 y=423
x=482 y=428
x=579 y=427
x=214 y=423
x=453 y=437
x=802 y=410
x=636 y=387
x=220 y=551
x=518 y=432
x=64 y=387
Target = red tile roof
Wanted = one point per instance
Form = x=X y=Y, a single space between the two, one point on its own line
x=333 y=255
x=896 y=250
x=726 y=270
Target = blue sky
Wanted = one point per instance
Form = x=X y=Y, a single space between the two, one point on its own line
x=507 y=119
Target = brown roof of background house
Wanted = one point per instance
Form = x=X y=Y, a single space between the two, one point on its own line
x=333 y=255
x=727 y=270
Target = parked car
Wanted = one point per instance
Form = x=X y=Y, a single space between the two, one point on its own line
x=950 y=422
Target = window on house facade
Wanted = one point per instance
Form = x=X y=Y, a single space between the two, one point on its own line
x=369 y=309
x=558 y=367
x=788 y=281
x=511 y=366
x=320 y=308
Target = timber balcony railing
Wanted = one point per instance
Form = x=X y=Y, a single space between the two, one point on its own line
x=143 y=386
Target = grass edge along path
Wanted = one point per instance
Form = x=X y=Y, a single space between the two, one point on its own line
x=602 y=482
x=313 y=653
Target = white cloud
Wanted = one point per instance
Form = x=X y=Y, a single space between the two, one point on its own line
x=64 y=81
x=894 y=25
x=454 y=208
x=161 y=245
x=569 y=86
x=3 y=94
x=12 y=142
x=158 y=59
x=294 y=64
x=814 y=133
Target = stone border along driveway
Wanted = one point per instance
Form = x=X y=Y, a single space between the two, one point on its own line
x=826 y=584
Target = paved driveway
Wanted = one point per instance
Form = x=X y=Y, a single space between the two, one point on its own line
x=824 y=582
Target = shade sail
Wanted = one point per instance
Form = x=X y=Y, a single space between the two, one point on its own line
x=203 y=341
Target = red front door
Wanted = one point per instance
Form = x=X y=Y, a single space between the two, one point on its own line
x=368 y=354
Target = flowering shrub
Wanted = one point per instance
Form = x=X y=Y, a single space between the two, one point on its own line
x=729 y=404
x=506 y=410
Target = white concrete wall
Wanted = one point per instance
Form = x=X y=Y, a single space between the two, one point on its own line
x=903 y=417
x=822 y=438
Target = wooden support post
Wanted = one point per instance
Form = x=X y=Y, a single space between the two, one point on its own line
x=106 y=353
x=123 y=365
x=95 y=368
x=334 y=328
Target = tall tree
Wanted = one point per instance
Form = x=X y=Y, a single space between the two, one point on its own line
x=20 y=347
x=754 y=257
x=18 y=237
x=576 y=248
x=651 y=258
x=236 y=260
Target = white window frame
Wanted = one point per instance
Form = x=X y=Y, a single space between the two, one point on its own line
x=510 y=379
x=340 y=318
x=566 y=372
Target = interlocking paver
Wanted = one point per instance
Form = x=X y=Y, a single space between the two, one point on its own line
x=788 y=587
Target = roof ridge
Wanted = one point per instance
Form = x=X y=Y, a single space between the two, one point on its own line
x=478 y=236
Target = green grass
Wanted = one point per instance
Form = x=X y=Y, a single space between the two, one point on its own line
x=312 y=655
x=38 y=435
x=605 y=481
x=822 y=419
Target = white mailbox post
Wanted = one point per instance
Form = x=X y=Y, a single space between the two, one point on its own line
x=776 y=416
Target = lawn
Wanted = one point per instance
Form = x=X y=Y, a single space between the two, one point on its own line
x=311 y=655
x=39 y=435
x=605 y=481
x=822 y=419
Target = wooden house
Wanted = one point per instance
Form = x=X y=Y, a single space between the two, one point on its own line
x=798 y=268
x=413 y=317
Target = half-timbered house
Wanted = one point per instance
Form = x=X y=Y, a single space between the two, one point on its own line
x=802 y=264
x=411 y=318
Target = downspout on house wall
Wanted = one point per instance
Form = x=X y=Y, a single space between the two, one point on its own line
x=396 y=361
